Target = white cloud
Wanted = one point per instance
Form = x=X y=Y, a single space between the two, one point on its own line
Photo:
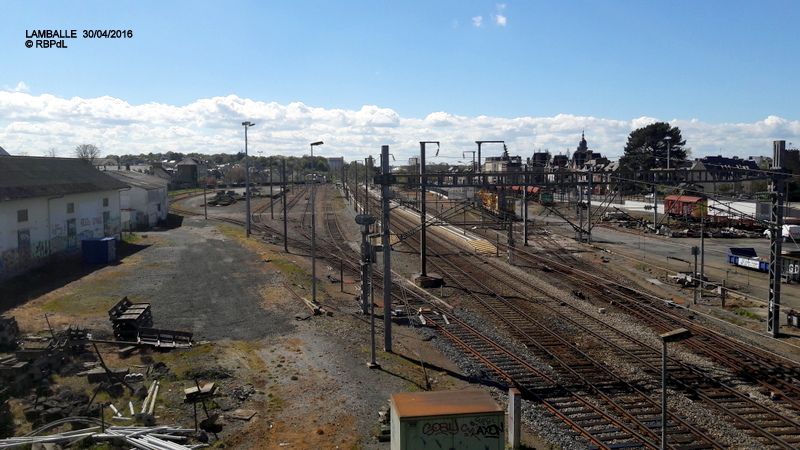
x=477 y=21
x=34 y=124
x=499 y=18
x=21 y=87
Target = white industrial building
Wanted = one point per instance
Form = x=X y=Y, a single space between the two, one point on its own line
x=145 y=204
x=48 y=206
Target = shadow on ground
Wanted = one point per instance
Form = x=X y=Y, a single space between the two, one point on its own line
x=432 y=369
x=21 y=289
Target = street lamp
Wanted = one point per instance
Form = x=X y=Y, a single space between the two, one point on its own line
x=247 y=125
x=314 y=230
x=314 y=144
x=676 y=335
x=464 y=155
x=669 y=140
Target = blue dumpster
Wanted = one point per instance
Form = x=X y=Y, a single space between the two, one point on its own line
x=99 y=251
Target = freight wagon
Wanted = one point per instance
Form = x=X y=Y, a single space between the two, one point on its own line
x=685 y=206
x=546 y=197
x=498 y=203
x=790 y=267
x=747 y=258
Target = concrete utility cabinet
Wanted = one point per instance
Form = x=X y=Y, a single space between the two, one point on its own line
x=462 y=420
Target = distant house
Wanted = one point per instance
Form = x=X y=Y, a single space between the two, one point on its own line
x=719 y=175
x=49 y=205
x=502 y=163
x=105 y=162
x=559 y=161
x=336 y=164
x=189 y=172
x=155 y=169
x=144 y=205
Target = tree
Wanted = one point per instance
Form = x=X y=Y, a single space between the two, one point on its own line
x=236 y=175
x=647 y=148
x=87 y=153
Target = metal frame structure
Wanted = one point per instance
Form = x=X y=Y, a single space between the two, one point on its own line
x=424 y=180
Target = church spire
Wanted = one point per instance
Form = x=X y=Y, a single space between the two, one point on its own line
x=583 y=146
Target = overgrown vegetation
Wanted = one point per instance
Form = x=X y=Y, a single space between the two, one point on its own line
x=746 y=313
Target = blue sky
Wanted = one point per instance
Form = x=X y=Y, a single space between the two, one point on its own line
x=361 y=74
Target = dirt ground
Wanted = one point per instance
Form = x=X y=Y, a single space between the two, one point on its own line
x=305 y=377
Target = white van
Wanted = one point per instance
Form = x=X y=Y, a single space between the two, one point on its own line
x=790 y=233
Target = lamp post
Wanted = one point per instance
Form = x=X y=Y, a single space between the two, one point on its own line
x=423 y=205
x=314 y=144
x=283 y=196
x=669 y=140
x=247 y=125
x=676 y=335
x=314 y=230
x=271 y=195
x=464 y=155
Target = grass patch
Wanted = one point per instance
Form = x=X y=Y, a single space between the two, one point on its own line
x=78 y=304
x=184 y=191
x=275 y=402
x=748 y=314
x=727 y=318
x=213 y=361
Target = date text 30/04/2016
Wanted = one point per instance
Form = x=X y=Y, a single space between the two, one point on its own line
x=73 y=34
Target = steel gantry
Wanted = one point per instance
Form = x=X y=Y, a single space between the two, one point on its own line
x=611 y=181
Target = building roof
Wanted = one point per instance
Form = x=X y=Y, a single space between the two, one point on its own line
x=24 y=177
x=444 y=403
x=138 y=179
x=722 y=163
x=3 y=152
x=684 y=198
x=191 y=161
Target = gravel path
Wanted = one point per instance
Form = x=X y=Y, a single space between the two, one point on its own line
x=202 y=281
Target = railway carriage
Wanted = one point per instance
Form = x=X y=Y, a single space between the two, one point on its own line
x=498 y=203
x=790 y=267
x=546 y=197
x=686 y=206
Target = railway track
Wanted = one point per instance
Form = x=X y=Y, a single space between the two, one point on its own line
x=773 y=373
x=770 y=428
x=614 y=411
x=630 y=426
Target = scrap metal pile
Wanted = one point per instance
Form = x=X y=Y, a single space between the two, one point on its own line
x=156 y=438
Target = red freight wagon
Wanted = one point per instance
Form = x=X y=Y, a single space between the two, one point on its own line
x=685 y=206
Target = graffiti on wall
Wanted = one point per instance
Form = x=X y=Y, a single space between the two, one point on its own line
x=64 y=241
x=471 y=428
x=40 y=249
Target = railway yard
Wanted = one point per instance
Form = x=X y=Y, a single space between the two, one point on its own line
x=574 y=326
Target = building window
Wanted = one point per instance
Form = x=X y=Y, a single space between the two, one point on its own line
x=105 y=201
x=70 y=208
x=22 y=215
x=159 y=207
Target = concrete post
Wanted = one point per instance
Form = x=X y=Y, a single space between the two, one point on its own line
x=514 y=418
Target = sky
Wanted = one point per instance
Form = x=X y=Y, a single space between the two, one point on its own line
x=361 y=74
